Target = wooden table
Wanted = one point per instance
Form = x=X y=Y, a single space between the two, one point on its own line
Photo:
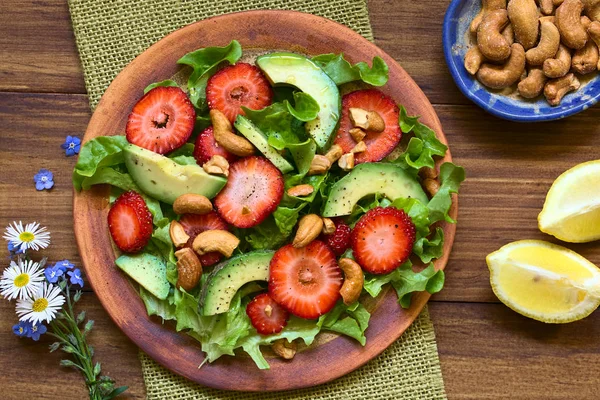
x=486 y=350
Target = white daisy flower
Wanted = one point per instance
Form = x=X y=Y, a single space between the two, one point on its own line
x=43 y=305
x=31 y=237
x=21 y=280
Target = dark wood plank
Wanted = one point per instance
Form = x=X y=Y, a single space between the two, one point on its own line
x=30 y=371
x=488 y=351
x=37 y=48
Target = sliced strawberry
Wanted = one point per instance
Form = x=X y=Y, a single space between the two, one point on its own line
x=305 y=281
x=380 y=144
x=339 y=241
x=206 y=147
x=162 y=120
x=194 y=224
x=383 y=239
x=253 y=191
x=238 y=85
x=130 y=222
x=266 y=316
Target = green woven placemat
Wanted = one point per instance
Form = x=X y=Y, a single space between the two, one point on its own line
x=111 y=33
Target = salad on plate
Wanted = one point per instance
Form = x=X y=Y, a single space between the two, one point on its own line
x=260 y=202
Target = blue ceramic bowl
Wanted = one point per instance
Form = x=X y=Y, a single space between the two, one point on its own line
x=456 y=43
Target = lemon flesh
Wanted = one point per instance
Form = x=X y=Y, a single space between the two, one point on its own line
x=543 y=281
x=572 y=208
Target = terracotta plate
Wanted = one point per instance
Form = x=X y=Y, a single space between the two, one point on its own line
x=331 y=356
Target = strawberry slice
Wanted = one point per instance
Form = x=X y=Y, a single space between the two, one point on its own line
x=305 y=281
x=130 y=222
x=194 y=224
x=206 y=147
x=238 y=85
x=162 y=120
x=383 y=239
x=380 y=144
x=266 y=316
x=253 y=191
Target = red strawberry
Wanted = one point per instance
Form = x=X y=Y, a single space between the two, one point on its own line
x=130 y=222
x=339 y=241
x=383 y=239
x=253 y=191
x=194 y=224
x=206 y=147
x=380 y=144
x=162 y=120
x=238 y=85
x=266 y=316
x=305 y=281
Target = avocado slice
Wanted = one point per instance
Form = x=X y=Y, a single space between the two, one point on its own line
x=259 y=140
x=370 y=178
x=226 y=279
x=147 y=270
x=165 y=180
x=299 y=71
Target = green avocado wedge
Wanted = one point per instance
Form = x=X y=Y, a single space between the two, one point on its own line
x=370 y=178
x=147 y=270
x=165 y=180
x=299 y=71
x=229 y=276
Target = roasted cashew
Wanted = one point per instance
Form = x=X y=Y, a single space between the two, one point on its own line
x=546 y=7
x=568 y=22
x=533 y=85
x=501 y=76
x=177 y=234
x=585 y=60
x=431 y=186
x=346 y=162
x=284 y=349
x=591 y=8
x=490 y=41
x=556 y=89
x=357 y=134
x=523 y=15
x=353 y=280
x=473 y=60
x=300 y=190
x=335 y=152
x=557 y=2
x=559 y=65
x=225 y=137
x=217 y=165
x=367 y=120
x=309 y=227
x=486 y=6
x=189 y=269
x=594 y=32
x=328 y=226
x=319 y=165
x=547 y=47
x=509 y=34
x=216 y=240
x=192 y=203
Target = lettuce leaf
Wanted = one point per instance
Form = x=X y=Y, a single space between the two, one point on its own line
x=154 y=306
x=205 y=63
x=341 y=71
x=103 y=151
x=429 y=249
x=275 y=230
x=417 y=211
x=451 y=176
x=305 y=108
x=185 y=150
x=350 y=320
x=167 y=82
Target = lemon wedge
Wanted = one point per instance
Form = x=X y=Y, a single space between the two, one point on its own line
x=544 y=281
x=572 y=208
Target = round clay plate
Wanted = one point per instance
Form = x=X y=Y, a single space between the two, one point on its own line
x=330 y=356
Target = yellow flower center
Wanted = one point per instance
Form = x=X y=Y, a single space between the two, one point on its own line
x=21 y=280
x=26 y=237
x=40 y=305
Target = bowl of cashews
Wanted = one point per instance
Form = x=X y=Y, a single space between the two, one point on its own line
x=525 y=60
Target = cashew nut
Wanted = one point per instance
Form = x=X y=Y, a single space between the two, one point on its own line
x=217 y=165
x=546 y=6
x=319 y=165
x=215 y=240
x=559 y=65
x=192 y=203
x=486 y=6
x=357 y=134
x=592 y=9
x=353 y=280
x=473 y=60
x=501 y=76
x=284 y=349
x=547 y=47
x=509 y=34
x=189 y=269
x=533 y=85
x=427 y=172
x=568 y=22
x=300 y=190
x=431 y=186
x=328 y=226
x=556 y=89
x=346 y=162
x=594 y=32
x=335 y=152
x=225 y=137
x=359 y=148
x=309 y=227
x=490 y=41
x=557 y=2
x=177 y=234
x=367 y=120
x=523 y=15
x=585 y=60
